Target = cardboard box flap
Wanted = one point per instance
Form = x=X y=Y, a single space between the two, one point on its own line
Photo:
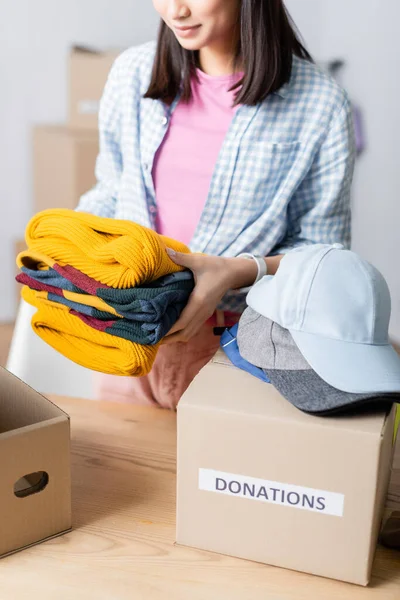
x=210 y=391
x=21 y=406
x=88 y=51
x=61 y=132
x=80 y=49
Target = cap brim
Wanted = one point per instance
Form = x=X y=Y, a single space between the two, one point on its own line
x=307 y=391
x=356 y=368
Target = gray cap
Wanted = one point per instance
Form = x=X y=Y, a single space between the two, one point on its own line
x=269 y=346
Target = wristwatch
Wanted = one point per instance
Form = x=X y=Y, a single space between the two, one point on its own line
x=262 y=269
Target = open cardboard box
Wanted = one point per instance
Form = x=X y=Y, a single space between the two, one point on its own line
x=35 y=483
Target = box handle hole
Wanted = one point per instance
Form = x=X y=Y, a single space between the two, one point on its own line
x=31 y=484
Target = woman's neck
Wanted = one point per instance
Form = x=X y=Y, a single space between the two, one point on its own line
x=218 y=60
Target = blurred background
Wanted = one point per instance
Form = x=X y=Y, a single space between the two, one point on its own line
x=51 y=84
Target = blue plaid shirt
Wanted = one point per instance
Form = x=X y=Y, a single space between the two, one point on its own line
x=283 y=175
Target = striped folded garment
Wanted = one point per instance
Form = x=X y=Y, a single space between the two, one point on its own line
x=105 y=290
x=143 y=314
x=86 y=346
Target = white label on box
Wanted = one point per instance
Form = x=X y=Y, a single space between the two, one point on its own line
x=88 y=107
x=273 y=492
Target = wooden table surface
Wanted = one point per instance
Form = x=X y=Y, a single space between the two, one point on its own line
x=122 y=545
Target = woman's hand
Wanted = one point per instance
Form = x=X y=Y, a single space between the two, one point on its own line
x=214 y=276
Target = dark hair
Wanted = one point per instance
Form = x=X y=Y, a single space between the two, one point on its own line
x=267 y=42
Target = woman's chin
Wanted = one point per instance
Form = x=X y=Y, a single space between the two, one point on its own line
x=192 y=44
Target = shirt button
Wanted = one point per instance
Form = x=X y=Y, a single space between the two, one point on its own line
x=146 y=166
x=164 y=121
x=153 y=210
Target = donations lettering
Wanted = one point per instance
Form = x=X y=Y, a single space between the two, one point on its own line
x=272 y=492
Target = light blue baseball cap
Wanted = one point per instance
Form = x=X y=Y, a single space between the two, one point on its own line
x=337 y=308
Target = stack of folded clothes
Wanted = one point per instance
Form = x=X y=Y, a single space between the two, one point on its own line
x=105 y=290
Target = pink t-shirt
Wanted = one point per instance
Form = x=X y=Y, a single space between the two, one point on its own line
x=185 y=161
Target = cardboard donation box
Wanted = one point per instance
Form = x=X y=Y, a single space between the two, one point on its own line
x=259 y=479
x=64 y=165
x=88 y=72
x=35 y=486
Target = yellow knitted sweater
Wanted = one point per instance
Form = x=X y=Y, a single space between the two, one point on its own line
x=120 y=254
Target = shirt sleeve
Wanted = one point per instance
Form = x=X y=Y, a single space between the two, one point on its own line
x=320 y=211
x=102 y=198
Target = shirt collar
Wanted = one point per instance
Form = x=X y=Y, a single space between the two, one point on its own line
x=284 y=90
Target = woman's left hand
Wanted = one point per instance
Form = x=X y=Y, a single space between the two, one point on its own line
x=214 y=276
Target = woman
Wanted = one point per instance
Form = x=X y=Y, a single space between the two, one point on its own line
x=227 y=136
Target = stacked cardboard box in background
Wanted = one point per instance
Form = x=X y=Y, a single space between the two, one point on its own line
x=64 y=162
x=88 y=71
x=64 y=156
